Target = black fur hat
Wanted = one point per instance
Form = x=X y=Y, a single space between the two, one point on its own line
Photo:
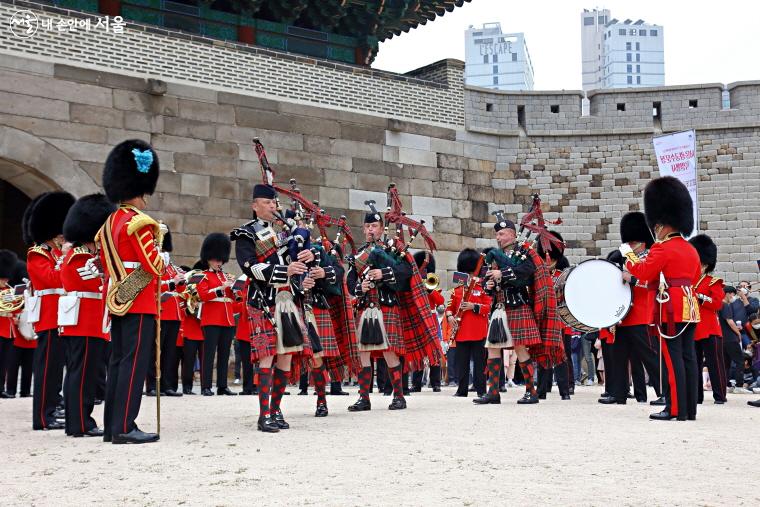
x=216 y=246
x=47 y=216
x=633 y=227
x=562 y=263
x=616 y=257
x=419 y=258
x=467 y=260
x=86 y=217
x=131 y=171
x=167 y=245
x=8 y=262
x=555 y=252
x=200 y=265
x=19 y=273
x=26 y=236
x=707 y=250
x=667 y=202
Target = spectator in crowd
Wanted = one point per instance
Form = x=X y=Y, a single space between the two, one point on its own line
x=743 y=305
x=732 y=349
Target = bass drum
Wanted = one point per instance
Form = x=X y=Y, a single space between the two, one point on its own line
x=592 y=295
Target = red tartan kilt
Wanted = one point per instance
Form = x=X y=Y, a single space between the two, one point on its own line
x=263 y=337
x=326 y=333
x=522 y=325
x=392 y=323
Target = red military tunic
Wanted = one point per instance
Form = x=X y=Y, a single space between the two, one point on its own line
x=133 y=237
x=436 y=299
x=474 y=326
x=20 y=341
x=709 y=290
x=642 y=308
x=7 y=325
x=171 y=308
x=217 y=308
x=678 y=261
x=244 y=328
x=91 y=309
x=191 y=328
x=607 y=335
x=41 y=263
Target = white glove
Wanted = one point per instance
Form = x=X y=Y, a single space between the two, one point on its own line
x=625 y=249
x=89 y=271
x=167 y=258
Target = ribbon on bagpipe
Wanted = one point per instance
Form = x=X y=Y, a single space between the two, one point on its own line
x=267 y=174
x=534 y=222
x=395 y=215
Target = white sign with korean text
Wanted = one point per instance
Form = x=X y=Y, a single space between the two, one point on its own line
x=677 y=156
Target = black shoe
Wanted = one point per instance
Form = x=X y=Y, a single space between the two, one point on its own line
x=460 y=395
x=207 y=392
x=721 y=402
x=188 y=391
x=134 y=437
x=609 y=400
x=662 y=416
x=407 y=392
x=527 y=399
x=361 y=405
x=93 y=432
x=398 y=403
x=502 y=389
x=755 y=403
x=25 y=395
x=542 y=396
x=286 y=393
x=152 y=392
x=246 y=393
x=386 y=393
x=7 y=396
x=55 y=425
x=172 y=393
x=691 y=417
x=338 y=393
x=572 y=390
x=280 y=420
x=488 y=399
x=417 y=390
x=565 y=397
x=641 y=400
x=629 y=396
x=268 y=425
x=471 y=390
x=436 y=389
x=96 y=402
x=255 y=390
x=303 y=392
x=107 y=437
x=321 y=410
x=658 y=402
x=225 y=392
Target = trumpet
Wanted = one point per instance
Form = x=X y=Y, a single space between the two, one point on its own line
x=432 y=281
x=190 y=295
x=9 y=302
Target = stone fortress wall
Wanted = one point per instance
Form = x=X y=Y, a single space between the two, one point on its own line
x=456 y=153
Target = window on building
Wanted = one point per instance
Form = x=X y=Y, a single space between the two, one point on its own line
x=521 y=116
x=643 y=33
x=638 y=46
x=609 y=33
x=602 y=20
x=638 y=69
x=495 y=58
x=485 y=58
x=554 y=109
x=628 y=57
x=477 y=34
x=638 y=57
x=621 y=106
x=495 y=69
x=489 y=107
x=638 y=79
x=627 y=46
x=653 y=33
x=632 y=31
x=693 y=103
x=496 y=80
x=514 y=57
x=629 y=68
x=621 y=31
x=630 y=79
x=588 y=20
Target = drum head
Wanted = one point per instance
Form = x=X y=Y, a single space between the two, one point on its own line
x=596 y=295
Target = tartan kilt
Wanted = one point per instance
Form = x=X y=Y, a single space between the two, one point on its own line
x=326 y=333
x=522 y=325
x=264 y=337
x=393 y=330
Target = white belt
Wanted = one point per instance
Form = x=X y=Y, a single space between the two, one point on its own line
x=50 y=292
x=6 y=314
x=86 y=295
x=131 y=265
x=220 y=300
x=171 y=293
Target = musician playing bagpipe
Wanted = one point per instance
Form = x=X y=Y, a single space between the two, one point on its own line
x=133 y=265
x=708 y=337
x=673 y=264
x=556 y=262
x=279 y=332
x=632 y=341
x=523 y=313
x=80 y=312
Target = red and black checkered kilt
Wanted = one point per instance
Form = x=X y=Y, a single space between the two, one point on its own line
x=551 y=351
x=344 y=323
x=522 y=325
x=420 y=326
x=326 y=333
x=392 y=324
x=264 y=338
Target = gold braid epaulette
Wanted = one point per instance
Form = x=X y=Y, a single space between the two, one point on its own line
x=39 y=250
x=714 y=281
x=139 y=221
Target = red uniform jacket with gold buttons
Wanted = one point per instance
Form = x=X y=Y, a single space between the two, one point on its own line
x=218 y=302
x=474 y=325
x=134 y=241
x=171 y=307
x=642 y=308
x=91 y=310
x=678 y=261
x=41 y=264
x=710 y=295
x=244 y=330
x=191 y=328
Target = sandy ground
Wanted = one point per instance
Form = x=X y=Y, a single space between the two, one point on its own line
x=442 y=450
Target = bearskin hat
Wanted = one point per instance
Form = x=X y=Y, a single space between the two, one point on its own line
x=216 y=246
x=555 y=252
x=667 y=202
x=45 y=220
x=419 y=259
x=166 y=244
x=467 y=260
x=8 y=262
x=707 y=250
x=616 y=258
x=131 y=171
x=26 y=236
x=86 y=217
x=19 y=273
x=203 y=266
x=633 y=227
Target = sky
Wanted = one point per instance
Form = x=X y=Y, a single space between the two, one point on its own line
x=705 y=42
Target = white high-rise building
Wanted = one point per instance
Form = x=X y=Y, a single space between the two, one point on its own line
x=497 y=60
x=620 y=54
